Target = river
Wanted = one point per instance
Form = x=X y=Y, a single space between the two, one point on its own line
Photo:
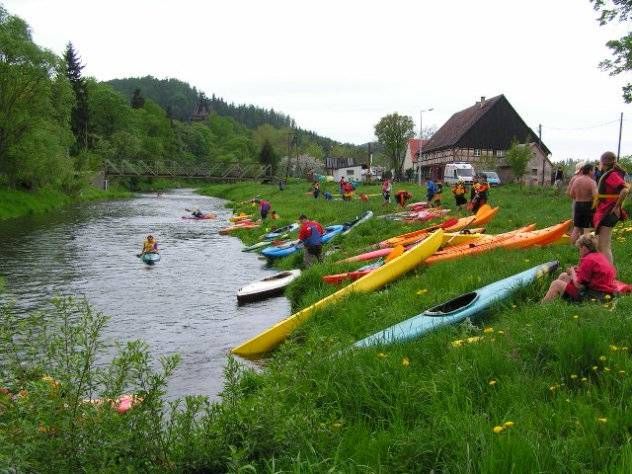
x=185 y=304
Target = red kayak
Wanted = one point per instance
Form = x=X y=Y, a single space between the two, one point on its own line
x=201 y=218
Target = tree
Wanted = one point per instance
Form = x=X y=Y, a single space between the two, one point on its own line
x=393 y=132
x=517 y=158
x=621 y=10
x=80 y=112
x=137 y=99
x=268 y=157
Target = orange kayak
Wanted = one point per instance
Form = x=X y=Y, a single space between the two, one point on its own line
x=241 y=225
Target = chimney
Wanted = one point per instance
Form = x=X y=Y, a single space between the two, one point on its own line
x=482 y=101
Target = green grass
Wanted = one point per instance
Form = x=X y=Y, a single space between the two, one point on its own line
x=17 y=203
x=367 y=412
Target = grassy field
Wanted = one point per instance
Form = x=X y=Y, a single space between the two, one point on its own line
x=16 y=203
x=547 y=387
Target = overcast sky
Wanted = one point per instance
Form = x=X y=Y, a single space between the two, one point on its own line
x=338 y=66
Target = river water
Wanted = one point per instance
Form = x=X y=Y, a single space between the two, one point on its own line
x=185 y=304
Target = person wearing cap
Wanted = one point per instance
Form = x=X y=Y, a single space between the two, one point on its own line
x=150 y=245
x=582 y=190
x=310 y=234
x=608 y=204
x=593 y=278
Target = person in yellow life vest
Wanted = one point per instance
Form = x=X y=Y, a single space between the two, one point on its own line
x=458 y=190
x=150 y=245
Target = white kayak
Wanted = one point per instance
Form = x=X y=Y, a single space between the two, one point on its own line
x=266 y=287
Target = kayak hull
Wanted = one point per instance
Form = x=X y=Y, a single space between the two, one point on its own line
x=266 y=287
x=275 y=335
x=457 y=309
x=284 y=251
x=150 y=258
x=365 y=216
x=277 y=233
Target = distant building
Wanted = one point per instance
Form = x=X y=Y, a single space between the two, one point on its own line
x=481 y=135
x=333 y=163
x=412 y=152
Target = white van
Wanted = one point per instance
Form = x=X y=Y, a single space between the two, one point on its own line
x=454 y=172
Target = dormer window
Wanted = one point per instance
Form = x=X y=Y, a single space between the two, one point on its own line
x=477 y=152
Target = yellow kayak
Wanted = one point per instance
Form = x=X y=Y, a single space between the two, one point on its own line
x=272 y=337
x=240 y=217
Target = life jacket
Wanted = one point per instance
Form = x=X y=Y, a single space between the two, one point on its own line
x=314 y=238
x=458 y=190
x=150 y=246
x=264 y=205
x=601 y=188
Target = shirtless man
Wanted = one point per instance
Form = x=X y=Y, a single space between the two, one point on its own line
x=582 y=191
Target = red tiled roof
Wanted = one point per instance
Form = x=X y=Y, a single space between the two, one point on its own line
x=413 y=143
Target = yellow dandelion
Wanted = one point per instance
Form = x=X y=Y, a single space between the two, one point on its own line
x=575 y=316
x=622 y=372
x=594 y=367
x=606 y=369
x=337 y=424
x=405 y=362
x=492 y=382
x=603 y=358
x=488 y=330
x=602 y=420
x=607 y=297
x=422 y=292
x=584 y=379
x=508 y=424
x=613 y=348
x=498 y=429
x=472 y=340
x=624 y=348
x=552 y=388
x=381 y=355
x=500 y=332
x=527 y=260
x=513 y=306
x=457 y=343
x=573 y=376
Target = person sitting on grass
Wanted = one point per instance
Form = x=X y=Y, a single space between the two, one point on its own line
x=593 y=278
x=310 y=234
x=402 y=197
x=327 y=196
x=458 y=190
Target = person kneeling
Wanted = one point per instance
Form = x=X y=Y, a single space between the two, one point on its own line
x=310 y=234
x=593 y=278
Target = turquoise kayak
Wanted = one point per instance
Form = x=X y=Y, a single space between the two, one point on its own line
x=151 y=258
x=457 y=309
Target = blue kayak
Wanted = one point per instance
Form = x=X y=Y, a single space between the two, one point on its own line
x=277 y=233
x=151 y=258
x=457 y=309
x=293 y=247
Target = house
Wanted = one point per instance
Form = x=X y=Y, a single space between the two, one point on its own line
x=481 y=134
x=333 y=163
x=355 y=173
x=412 y=152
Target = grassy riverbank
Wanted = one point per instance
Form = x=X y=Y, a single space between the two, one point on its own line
x=17 y=203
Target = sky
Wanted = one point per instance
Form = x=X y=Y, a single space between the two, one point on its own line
x=337 y=67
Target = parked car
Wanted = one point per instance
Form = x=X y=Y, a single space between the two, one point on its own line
x=492 y=178
x=454 y=172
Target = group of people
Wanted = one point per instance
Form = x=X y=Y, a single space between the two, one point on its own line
x=596 y=205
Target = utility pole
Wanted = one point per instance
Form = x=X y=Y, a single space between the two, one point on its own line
x=541 y=151
x=620 y=130
x=368 y=167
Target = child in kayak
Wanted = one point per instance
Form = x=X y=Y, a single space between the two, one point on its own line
x=310 y=234
x=458 y=190
x=150 y=245
x=593 y=278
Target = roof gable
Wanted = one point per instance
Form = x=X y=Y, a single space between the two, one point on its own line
x=413 y=145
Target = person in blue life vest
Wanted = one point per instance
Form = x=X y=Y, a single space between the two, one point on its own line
x=310 y=234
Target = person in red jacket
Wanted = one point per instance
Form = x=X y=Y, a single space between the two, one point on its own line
x=264 y=207
x=310 y=234
x=402 y=197
x=593 y=278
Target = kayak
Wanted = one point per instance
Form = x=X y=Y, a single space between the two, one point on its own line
x=241 y=225
x=240 y=217
x=426 y=215
x=365 y=216
x=266 y=287
x=277 y=233
x=275 y=335
x=457 y=309
x=354 y=275
x=201 y=218
x=151 y=258
x=295 y=246
x=393 y=241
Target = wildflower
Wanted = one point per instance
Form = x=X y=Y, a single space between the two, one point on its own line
x=381 y=355
x=602 y=420
x=492 y=382
x=422 y=292
x=500 y=332
x=498 y=429
x=603 y=358
x=471 y=340
x=606 y=369
x=594 y=367
x=508 y=424
x=624 y=348
x=613 y=348
x=405 y=362
x=622 y=372
x=527 y=260
x=337 y=424
x=573 y=376
x=552 y=388
x=575 y=316
x=513 y=306
x=607 y=297
x=568 y=400
x=457 y=343
x=584 y=379
x=488 y=330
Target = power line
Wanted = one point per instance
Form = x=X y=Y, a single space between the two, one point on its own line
x=583 y=128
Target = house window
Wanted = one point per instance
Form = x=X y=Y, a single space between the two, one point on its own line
x=350 y=173
x=477 y=152
x=500 y=153
x=534 y=172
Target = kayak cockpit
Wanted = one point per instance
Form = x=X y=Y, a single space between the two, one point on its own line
x=456 y=304
x=278 y=276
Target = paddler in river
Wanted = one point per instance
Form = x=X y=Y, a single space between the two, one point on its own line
x=611 y=192
x=197 y=213
x=310 y=234
x=150 y=245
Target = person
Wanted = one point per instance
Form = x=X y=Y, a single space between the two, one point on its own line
x=281 y=185
x=458 y=190
x=310 y=234
x=347 y=191
x=436 y=199
x=341 y=184
x=364 y=197
x=402 y=197
x=431 y=189
x=386 y=190
x=582 y=190
x=316 y=189
x=327 y=196
x=197 y=213
x=578 y=173
x=264 y=208
x=274 y=216
x=611 y=192
x=593 y=278
x=481 y=189
x=559 y=177
x=150 y=245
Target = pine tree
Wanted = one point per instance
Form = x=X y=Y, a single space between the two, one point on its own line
x=268 y=157
x=137 y=99
x=80 y=114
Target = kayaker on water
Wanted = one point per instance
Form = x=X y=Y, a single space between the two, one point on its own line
x=593 y=278
x=310 y=234
x=150 y=245
x=197 y=213
x=611 y=192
